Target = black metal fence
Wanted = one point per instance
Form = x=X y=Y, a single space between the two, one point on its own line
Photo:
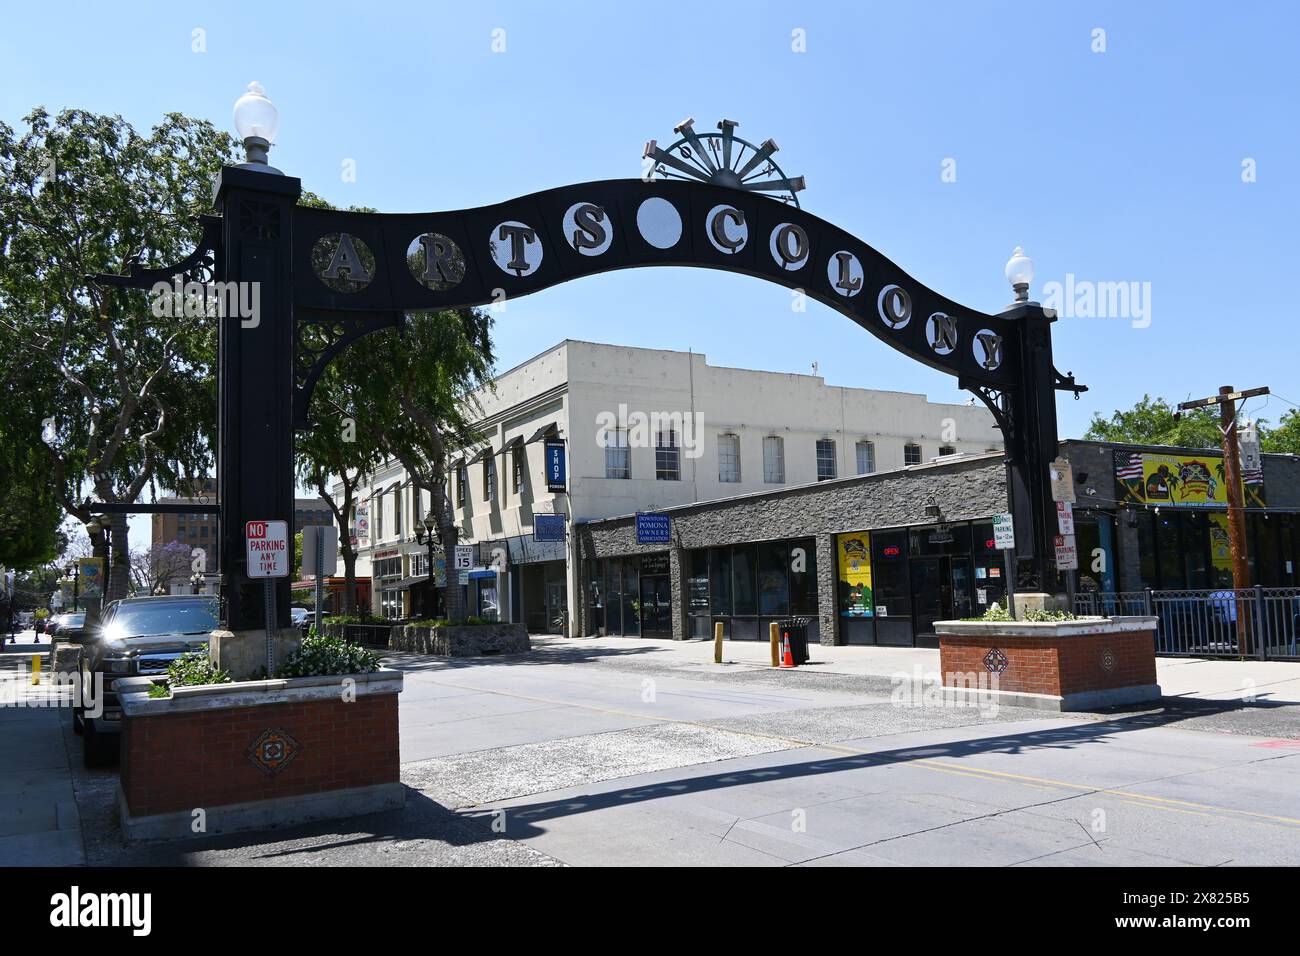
x=1257 y=623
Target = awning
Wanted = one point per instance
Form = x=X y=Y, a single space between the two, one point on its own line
x=408 y=583
x=546 y=431
x=482 y=573
x=479 y=455
x=516 y=442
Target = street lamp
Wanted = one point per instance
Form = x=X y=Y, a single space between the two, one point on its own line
x=196 y=582
x=74 y=572
x=1020 y=272
x=257 y=121
x=424 y=535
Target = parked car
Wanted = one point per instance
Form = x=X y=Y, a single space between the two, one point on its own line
x=71 y=628
x=298 y=616
x=52 y=623
x=135 y=636
x=309 y=619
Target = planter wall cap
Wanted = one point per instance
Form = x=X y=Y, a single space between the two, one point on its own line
x=133 y=692
x=1045 y=629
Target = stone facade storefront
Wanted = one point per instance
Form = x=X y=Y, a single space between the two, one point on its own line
x=963 y=490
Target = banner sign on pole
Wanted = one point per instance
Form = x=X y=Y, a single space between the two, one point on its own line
x=654 y=529
x=556 y=469
x=267 y=544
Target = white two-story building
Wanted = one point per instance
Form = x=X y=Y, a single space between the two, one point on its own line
x=637 y=430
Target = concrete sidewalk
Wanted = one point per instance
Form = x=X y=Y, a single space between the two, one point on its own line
x=39 y=822
x=1191 y=677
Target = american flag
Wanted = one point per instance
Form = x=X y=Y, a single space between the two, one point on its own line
x=1128 y=466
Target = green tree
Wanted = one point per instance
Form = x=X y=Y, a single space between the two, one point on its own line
x=30 y=513
x=1156 y=422
x=131 y=397
x=415 y=391
x=334 y=451
x=1285 y=438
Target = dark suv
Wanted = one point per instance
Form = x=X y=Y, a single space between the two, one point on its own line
x=134 y=636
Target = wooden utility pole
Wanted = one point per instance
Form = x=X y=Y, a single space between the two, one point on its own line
x=1234 y=492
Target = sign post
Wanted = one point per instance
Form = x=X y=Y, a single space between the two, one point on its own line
x=1004 y=538
x=320 y=556
x=267 y=550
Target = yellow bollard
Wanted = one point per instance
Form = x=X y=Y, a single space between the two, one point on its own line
x=36 y=668
x=775 y=640
x=717 y=643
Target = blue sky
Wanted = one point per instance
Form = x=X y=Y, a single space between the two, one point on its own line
x=1115 y=166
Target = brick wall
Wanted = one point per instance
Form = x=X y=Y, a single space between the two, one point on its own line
x=174 y=762
x=1057 y=666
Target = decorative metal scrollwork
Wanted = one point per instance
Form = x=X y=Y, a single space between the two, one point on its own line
x=318 y=341
x=199 y=266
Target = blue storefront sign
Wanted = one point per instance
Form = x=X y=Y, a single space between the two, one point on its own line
x=654 y=529
x=556 y=472
x=549 y=527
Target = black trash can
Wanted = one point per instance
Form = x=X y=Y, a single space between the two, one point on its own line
x=795 y=629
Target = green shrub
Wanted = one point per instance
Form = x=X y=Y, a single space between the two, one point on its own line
x=1042 y=616
x=444 y=622
x=997 y=612
x=192 y=669
x=318 y=656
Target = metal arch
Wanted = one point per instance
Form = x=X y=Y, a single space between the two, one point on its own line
x=202 y=265
x=309 y=363
x=393 y=288
x=728 y=166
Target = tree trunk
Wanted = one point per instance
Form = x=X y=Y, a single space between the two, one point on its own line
x=349 y=581
x=452 y=595
x=118 y=584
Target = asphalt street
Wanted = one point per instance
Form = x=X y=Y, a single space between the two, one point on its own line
x=621 y=753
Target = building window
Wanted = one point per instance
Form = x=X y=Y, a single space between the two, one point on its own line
x=379 y=517
x=825 y=459
x=397 y=511
x=911 y=454
x=866 y=457
x=618 y=461
x=489 y=478
x=462 y=484
x=729 y=458
x=774 y=460
x=947 y=450
x=517 y=462
x=667 y=456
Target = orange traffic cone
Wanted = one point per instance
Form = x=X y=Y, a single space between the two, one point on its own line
x=787 y=658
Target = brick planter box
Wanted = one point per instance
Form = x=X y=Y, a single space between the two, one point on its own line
x=469 y=640
x=1070 y=665
x=257 y=754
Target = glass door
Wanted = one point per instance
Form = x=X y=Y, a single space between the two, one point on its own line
x=656 y=606
x=931 y=597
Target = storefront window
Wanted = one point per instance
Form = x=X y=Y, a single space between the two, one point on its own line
x=613 y=597
x=854 y=591
x=773 y=581
x=1171 y=576
x=744 y=598
x=720 y=589
x=890 y=585
x=803 y=577
x=632 y=597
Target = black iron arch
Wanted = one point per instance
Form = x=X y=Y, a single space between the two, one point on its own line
x=327 y=278
x=760 y=237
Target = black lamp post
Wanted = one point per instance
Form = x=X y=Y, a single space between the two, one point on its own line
x=424 y=535
x=74 y=572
